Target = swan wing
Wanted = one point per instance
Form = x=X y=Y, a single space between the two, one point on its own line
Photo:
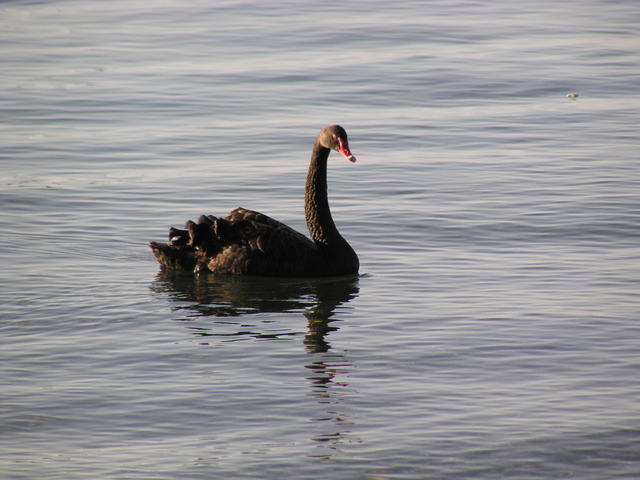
x=249 y=242
x=259 y=223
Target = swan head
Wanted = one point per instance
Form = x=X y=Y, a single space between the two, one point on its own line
x=335 y=138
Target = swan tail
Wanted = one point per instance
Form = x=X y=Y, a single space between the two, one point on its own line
x=190 y=249
x=175 y=257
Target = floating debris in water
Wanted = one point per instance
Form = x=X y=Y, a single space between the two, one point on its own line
x=572 y=95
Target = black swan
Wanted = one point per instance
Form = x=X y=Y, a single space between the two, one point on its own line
x=250 y=243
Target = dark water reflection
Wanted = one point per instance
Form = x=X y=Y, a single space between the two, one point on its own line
x=232 y=296
x=317 y=299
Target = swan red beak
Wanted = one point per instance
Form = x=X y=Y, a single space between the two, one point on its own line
x=344 y=150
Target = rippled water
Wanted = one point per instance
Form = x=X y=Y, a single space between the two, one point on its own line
x=493 y=330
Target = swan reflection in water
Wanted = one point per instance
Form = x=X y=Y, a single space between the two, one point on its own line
x=227 y=296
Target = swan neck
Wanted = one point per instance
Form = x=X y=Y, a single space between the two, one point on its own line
x=317 y=212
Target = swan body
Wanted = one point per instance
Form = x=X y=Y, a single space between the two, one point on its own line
x=247 y=242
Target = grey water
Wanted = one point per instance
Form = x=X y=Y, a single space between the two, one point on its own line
x=493 y=331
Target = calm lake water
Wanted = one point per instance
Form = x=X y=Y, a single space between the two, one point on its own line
x=494 y=329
